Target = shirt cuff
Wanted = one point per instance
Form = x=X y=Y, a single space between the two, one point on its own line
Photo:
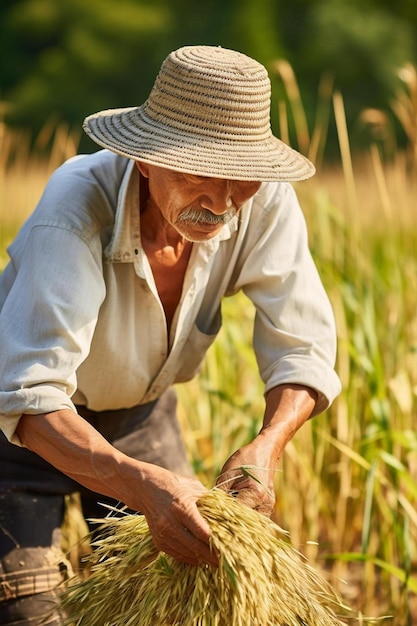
x=326 y=391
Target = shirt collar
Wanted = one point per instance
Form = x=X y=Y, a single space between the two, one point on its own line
x=126 y=232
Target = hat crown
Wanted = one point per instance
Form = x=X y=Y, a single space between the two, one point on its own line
x=208 y=114
x=212 y=91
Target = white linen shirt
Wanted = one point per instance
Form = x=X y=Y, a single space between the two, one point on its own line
x=81 y=321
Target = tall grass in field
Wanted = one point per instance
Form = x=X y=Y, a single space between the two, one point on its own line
x=25 y=165
x=363 y=235
x=347 y=483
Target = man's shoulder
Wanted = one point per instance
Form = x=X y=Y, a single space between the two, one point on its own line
x=273 y=196
x=102 y=167
x=82 y=194
x=277 y=190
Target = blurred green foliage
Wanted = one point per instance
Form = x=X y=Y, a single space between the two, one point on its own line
x=61 y=60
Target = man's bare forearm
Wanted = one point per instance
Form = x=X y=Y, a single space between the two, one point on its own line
x=168 y=500
x=74 y=447
x=288 y=407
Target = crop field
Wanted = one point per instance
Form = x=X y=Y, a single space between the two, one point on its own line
x=347 y=483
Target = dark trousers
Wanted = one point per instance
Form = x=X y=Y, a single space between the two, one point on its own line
x=32 y=504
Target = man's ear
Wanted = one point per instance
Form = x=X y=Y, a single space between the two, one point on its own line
x=143 y=168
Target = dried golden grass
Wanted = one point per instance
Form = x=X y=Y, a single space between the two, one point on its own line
x=261 y=580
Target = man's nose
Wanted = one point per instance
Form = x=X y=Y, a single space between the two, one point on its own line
x=217 y=196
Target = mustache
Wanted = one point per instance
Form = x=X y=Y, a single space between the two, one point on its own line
x=204 y=216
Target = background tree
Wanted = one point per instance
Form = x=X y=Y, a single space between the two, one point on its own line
x=62 y=60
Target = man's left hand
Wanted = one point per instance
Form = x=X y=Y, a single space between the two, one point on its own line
x=249 y=473
x=247 y=476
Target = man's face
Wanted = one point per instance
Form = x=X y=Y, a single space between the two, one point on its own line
x=197 y=207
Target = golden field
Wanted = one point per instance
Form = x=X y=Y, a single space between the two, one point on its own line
x=347 y=484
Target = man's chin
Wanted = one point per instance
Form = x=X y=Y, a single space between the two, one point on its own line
x=199 y=232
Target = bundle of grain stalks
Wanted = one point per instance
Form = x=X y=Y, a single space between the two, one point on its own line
x=260 y=581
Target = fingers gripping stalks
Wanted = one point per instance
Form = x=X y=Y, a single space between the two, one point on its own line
x=260 y=580
x=244 y=482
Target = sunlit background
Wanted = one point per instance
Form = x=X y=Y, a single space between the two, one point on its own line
x=345 y=94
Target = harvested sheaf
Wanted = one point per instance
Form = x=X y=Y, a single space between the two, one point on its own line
x=260 y=581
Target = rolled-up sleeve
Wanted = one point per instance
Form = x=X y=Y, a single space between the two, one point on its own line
x=47 y=322
x=294 y=331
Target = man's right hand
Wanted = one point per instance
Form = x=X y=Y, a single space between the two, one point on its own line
x=168 y=500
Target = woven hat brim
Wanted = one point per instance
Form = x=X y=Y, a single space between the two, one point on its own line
x=131 y=133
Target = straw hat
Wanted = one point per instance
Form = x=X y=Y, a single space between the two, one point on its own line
x=208 y=114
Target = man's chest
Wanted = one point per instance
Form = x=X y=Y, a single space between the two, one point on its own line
x=169 y=272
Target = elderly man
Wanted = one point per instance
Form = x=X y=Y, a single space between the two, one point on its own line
x=113 y=294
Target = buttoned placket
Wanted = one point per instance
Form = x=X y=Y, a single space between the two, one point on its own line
x=126 y=246
x=157 y=319
x=188 y=307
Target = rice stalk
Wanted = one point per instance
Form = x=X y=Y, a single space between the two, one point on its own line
x=381 y=182
x=344 y=144
x=283 y=122
x=321 y=123
x=404 y=107
x=283 y=69
x=260 y=581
